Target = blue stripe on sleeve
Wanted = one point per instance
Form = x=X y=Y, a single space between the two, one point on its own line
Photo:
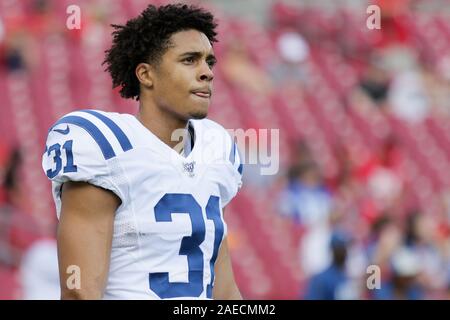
x=95 y=133
x=233 y=153
x=120 y=135
x=241 y=166
x=232 y=158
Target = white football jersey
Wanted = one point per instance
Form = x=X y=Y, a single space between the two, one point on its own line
x=169 y=226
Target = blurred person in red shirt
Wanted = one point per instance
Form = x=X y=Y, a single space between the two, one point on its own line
x=382 y=174
x=394 y=29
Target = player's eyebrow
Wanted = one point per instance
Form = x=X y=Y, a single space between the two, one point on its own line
x=198 y=54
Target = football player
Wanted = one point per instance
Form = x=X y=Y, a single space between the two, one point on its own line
x=141 y=214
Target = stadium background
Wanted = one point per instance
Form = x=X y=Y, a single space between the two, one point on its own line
x=364 y=136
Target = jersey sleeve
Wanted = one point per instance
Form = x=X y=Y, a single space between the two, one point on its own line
x=78 y=152
x=235 y=167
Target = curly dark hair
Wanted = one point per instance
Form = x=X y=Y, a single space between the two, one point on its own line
x=146 y=38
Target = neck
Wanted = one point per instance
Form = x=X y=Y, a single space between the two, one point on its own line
x=162 y=124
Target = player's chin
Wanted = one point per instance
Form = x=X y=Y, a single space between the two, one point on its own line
x=200 y=114
x=199 y=111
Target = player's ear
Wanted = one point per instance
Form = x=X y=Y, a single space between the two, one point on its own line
x=144 y=73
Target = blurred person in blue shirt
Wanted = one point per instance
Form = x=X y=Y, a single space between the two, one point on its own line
x=308 y=202
x=402 y=283
x=306 y=198
x=422 y=238
x=334 y=282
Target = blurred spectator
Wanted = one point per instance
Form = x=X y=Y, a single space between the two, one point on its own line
x=375 y=82
x=17 y=228
x=402 y=284
x=291 y=72
x=437 y=82
x=408 y=97
x=413 y=266
x=420 y=237
x=385 y=239
x=334 y=282
x=22 y=31
x=40 y=18
x=39 y=275
x=95 y=31
x=239 y=69
x=15 y=56
x=6 y=254
x=301 y=153
x=382 y=175
x=306 y=197
x=308 y=201
x=284 y=14
x=9 y=171
x=4 y=159
x=11 y=179
x=395 y=30
x=348 y=189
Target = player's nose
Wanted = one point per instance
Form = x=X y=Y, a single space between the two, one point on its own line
x=205 y=72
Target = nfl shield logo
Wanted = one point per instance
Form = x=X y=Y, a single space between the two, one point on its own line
x=189 y=168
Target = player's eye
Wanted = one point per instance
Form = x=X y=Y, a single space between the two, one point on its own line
x=211 y=63
x=189 y=60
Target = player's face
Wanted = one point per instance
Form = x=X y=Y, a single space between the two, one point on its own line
x=183 y=82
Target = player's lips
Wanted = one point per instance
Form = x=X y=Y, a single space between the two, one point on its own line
x=202 y=93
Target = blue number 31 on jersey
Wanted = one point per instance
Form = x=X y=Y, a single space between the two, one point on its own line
x=190 y=245
x=56 y=150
